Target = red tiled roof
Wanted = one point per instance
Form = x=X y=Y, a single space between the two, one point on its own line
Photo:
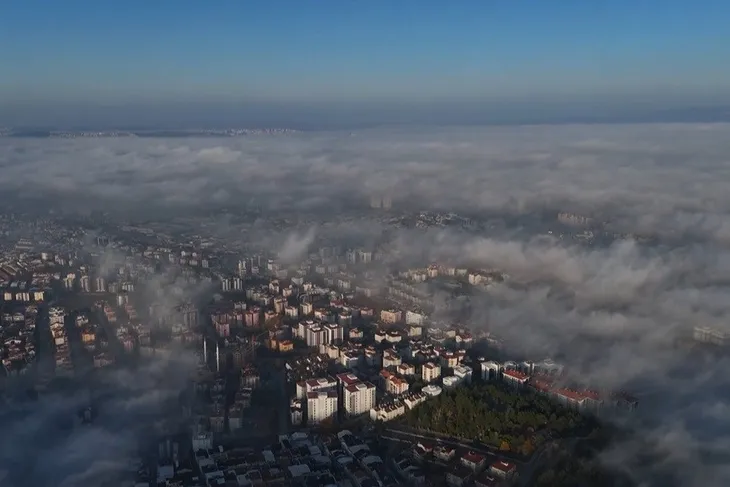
x=473 y=457
x=359 y=386
x=571 y=394
x=487 y=481
x=348 y=378
x=516 y=374
x=592 y=395
x=503 y=466
x=541 y=385
x=321 y=382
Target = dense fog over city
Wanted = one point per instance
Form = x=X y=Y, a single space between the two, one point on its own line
x=612 y=307
x=650 y=178
x=44 y=447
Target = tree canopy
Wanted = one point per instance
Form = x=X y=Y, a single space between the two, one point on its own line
x=517 y=421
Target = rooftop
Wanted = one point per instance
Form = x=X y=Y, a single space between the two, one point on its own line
x=348 y=378
x=359 y=387
x=516 y=374
x=503 y=466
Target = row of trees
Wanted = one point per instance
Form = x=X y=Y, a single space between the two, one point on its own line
x=497 y=415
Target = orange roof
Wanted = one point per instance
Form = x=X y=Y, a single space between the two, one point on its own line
x=473 y=457
x=359 y=386
x=592 y=395
x=541 y=385
x=516 y=374
x=503 y=466
x=571 y=394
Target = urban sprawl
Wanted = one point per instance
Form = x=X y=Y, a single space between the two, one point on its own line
x=306 y=373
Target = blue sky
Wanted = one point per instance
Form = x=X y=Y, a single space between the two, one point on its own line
x=329 y=52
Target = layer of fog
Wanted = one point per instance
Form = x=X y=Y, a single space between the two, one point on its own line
x=614 y=316
x=134 y=405
x=611 y=313
x=643 y=178
x=46 y=444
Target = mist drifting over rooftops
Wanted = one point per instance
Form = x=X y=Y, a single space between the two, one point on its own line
x=611 y=311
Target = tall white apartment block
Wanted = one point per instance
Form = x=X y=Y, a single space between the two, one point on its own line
x=430 y=372
x=313 y=385
x=358 y=398
x=321 y=406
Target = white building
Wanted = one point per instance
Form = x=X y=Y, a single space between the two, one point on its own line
x=349 y=359
x=463 y=373
x=393 y=336
x=706 y=334
x=406 y=370
x=296 y=410
x=415 y=318
x=387 y=412
x=431 y=390
x=332 y=351
x=85 y=284
x=56 y=315
x=390 y=316
x=347 y=379
x=430 y=371
x=321 y=406
x=450 y=381
x=344 y=318
x=364 y=256
x=358 y=398
x=413 y=399
x=415 y=331
x=335 y=332
x=291 y=312
x=490 y=369
x=316 y=333
x=312 y=385
x=391 y=359
x=515 y=377
x=396 y=385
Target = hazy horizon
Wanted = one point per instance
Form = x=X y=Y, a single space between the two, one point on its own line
x=348 y=117
x=328 y=65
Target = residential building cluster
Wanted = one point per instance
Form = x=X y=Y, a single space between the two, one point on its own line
x=17 y=332
x=547 y=378
x=352 y=348
x=461 y=467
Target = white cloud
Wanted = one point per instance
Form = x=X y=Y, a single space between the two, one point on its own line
x=218 y=155
x=644 y=177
